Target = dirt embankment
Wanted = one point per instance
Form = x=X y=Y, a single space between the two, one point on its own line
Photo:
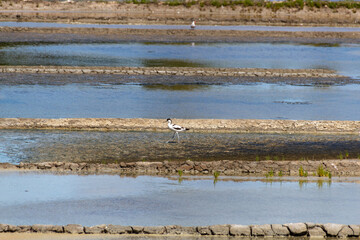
x=196 y=125
x=26 y=34
x=116 y=12
x=270 y=168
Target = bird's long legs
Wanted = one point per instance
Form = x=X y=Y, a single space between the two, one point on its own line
x=175 y=133
x=171 y=138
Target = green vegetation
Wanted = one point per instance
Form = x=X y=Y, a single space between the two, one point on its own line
x=180 y=173
x=341 y=157
x=321 y=172
x=257 y=158
x=298 y=4
x=216 y=174
x=302 y=172
x=280 y=174
x=270 y=174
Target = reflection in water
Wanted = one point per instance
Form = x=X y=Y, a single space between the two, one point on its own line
x=170 y=63
x=151 y=201
x=319 y=183
x=257 y=101
x=177 y=87
x=321 y=44
x=344 y=58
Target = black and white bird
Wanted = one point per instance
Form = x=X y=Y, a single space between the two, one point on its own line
x=176 y=129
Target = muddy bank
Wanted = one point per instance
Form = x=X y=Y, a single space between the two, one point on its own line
x=175 y=82
x=26 y=34
x=348 y=167
x=196 y=125
x=267 y=230
x=117 y=12
x=113 y=147
x=178 y=71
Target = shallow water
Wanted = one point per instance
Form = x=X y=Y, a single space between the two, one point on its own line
x=105 y=147
x=200 y=27
x=97 y=199
x=343 y=58
x=256 y=101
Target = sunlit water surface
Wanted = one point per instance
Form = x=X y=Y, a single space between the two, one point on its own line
x=256 y=101
x=29 y=198
x=344 y=58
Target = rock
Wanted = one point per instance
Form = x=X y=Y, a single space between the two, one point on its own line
x=96 y=229
x=280 y=230
x=203 y=230
x=117 y=229
x=23 y=228
x=310 y=225
x=256 y=231
x=3 y=227
x=47 y=228
x=345 y=232
x=240 y=230
x=220 y=229
x=137 y=229
x=317 y=232
x=356 y=230
x=12 y=228
x=180 y=230
x=74 y=229
x=297 y=229
x=332 y=229
x=154 y=230
x=267 y=230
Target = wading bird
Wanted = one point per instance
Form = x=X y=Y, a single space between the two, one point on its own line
x=176 y=129
x=192 y=26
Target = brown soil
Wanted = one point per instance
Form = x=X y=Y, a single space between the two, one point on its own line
x=65 y=35
x=115 y=12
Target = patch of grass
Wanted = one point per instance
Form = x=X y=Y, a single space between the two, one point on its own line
x=340 y=156
x=346 y=154
x=270 y=174
x=302 y=172
x=276 y=158
x=216 y=174
x=280 y=174
x=180 y=173
x=321 y=172
x=257 y=158
x=268 y=158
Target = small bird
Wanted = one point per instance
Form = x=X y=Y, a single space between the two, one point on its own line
x=192 y=26
x=176 y=129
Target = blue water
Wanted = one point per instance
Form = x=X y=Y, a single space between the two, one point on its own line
x=258 y=101
x=344 y=58
x=90 y=200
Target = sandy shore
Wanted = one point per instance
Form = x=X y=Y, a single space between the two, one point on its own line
x=196 y=125
x=26 y=34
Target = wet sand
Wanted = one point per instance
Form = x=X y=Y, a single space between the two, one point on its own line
x=115 y=147
x=92 y=35
x=164 y=81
